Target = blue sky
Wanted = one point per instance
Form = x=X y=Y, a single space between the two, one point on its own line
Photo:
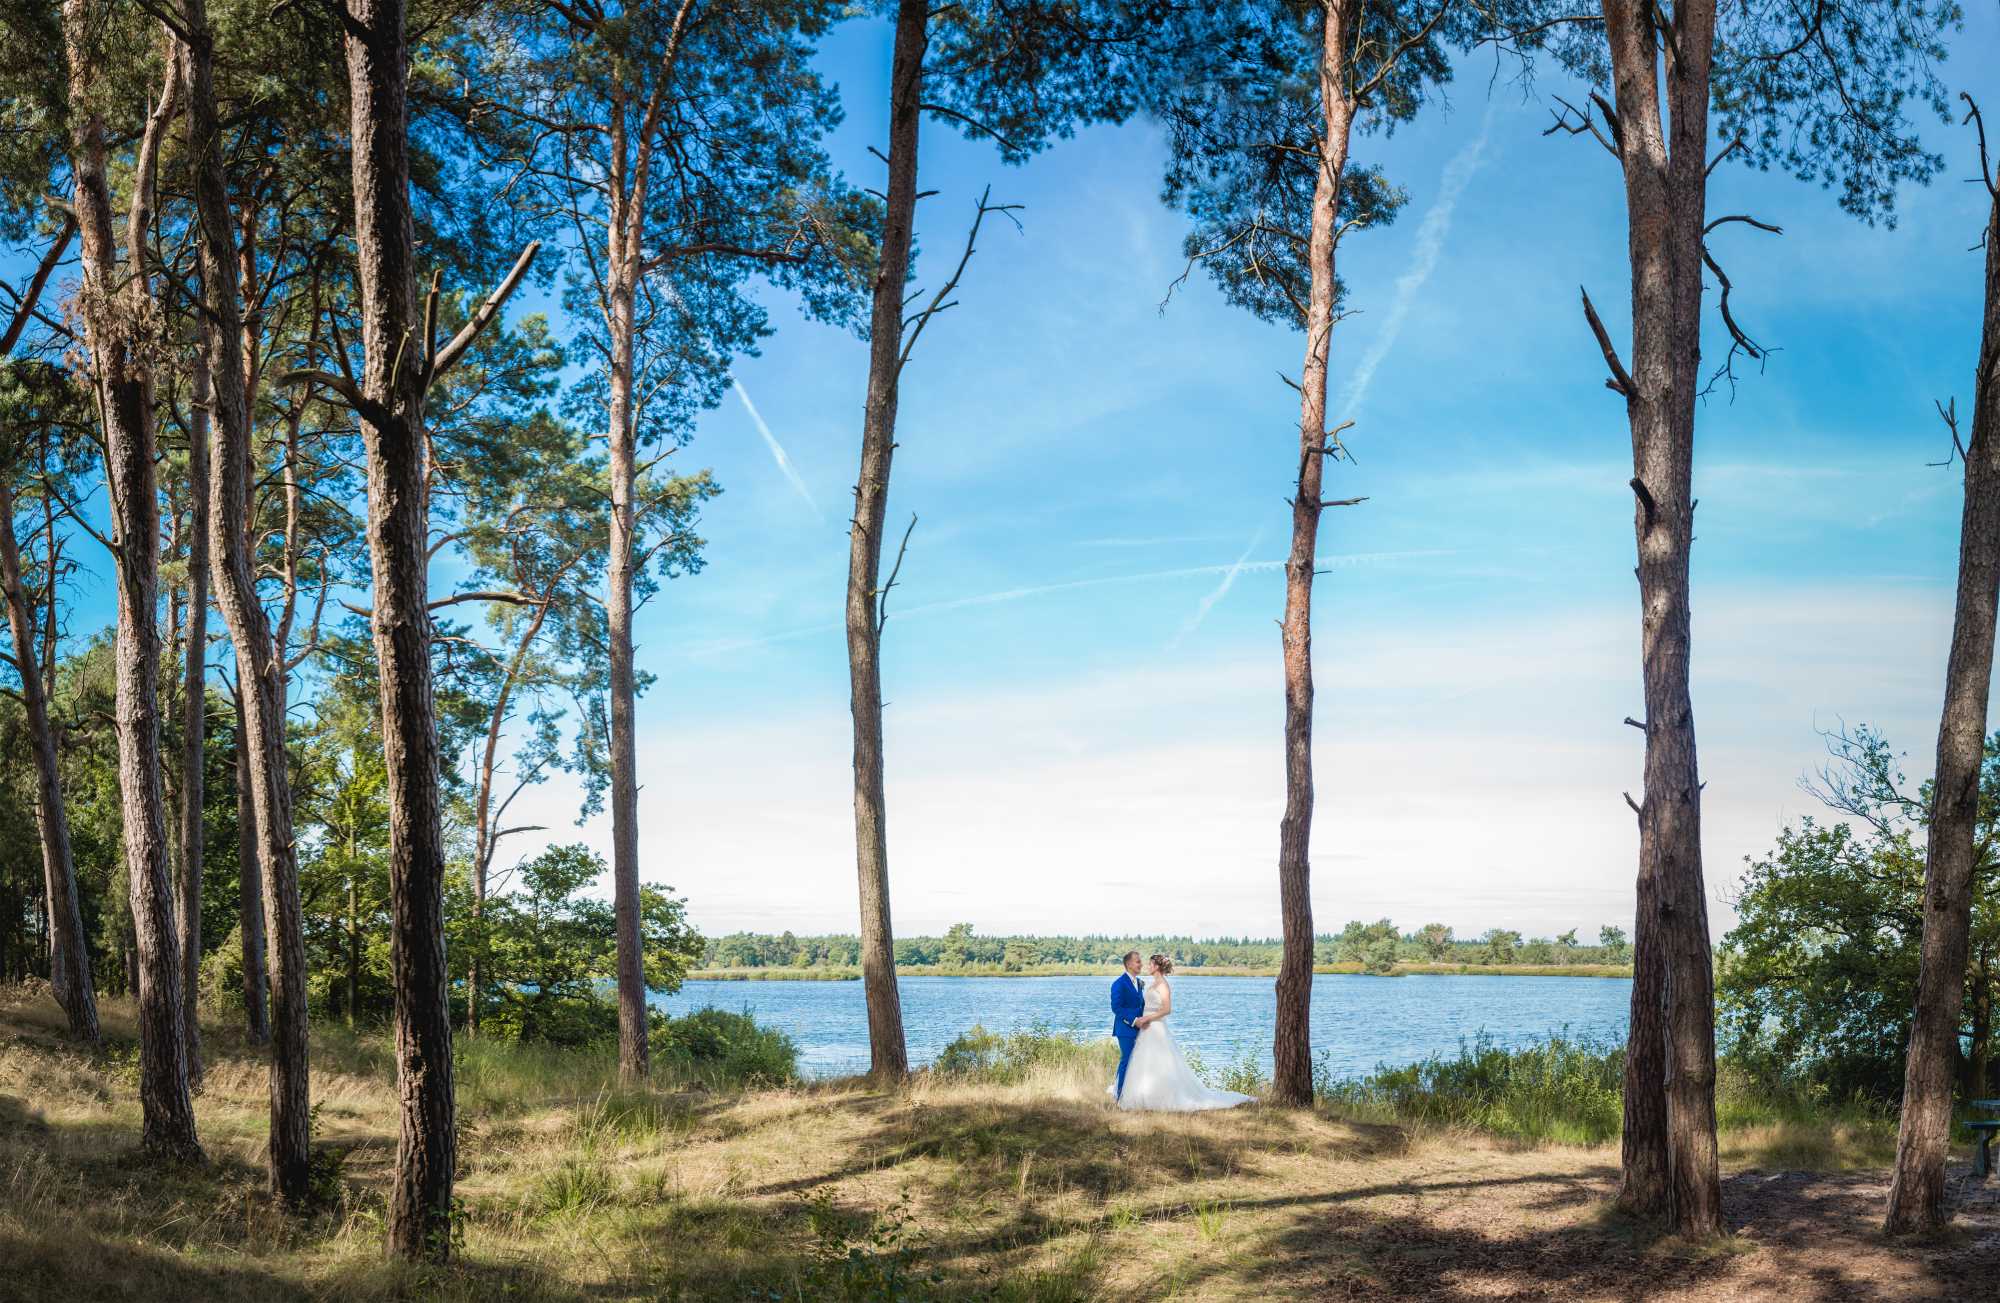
x=1082 y=660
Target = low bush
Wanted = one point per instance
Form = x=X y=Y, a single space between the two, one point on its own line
x=981 y=1055
x=1562 y=1090
x=719 y=1048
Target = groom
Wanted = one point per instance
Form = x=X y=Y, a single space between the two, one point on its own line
x=1128 y=1001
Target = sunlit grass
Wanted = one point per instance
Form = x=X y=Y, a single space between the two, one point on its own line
x=1002 y=1174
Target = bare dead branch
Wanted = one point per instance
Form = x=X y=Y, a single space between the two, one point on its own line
x=511 y=599
x=24 y=303
x=945 y=112
x=344 y=386
x=914 y=327
x=1739 y=340
x=1727 y=150
x=882 y=597
x=452 y=352
x=1578 y=122
x=1948 y=413
x=1748 y=221
x=1620 y=381
x=1645 y=496
x=1987 y=177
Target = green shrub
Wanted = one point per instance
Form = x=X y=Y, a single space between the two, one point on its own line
x=980 y=1055
x=723 y=1048
x=577 y=1187
x=1564 y=1090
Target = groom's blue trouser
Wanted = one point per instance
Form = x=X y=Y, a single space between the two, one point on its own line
x=1127 y=1038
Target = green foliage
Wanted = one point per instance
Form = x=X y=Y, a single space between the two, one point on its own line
x=1817 y=979
x=980 y=1055
x=862 y=1258
x=1435 y=938
x=1564 y=1090
x=577 y=1187
x=963 y=950
x=1823 y=92
x=1499 y=946
x=1240 y=98
x=720 y=1047
x=1246 y=1075
x=547 y=948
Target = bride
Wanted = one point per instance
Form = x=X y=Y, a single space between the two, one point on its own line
x=1158 y=1076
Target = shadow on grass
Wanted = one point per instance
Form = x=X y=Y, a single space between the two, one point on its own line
x=991 y=1146
x=1337 y=1250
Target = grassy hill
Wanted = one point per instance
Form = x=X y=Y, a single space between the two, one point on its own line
x=1014 y=1181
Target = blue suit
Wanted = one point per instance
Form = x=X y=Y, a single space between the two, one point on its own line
x=1127 y=1003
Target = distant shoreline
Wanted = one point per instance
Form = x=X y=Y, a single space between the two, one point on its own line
x=847 y=974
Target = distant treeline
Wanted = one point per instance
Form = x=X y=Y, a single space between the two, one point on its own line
x=1377 y=947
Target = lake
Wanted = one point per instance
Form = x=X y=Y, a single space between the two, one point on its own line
x=1359 y=1021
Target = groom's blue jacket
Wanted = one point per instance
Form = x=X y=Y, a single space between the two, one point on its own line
x=1127 y=1003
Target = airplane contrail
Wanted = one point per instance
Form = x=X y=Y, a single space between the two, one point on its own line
x=1430 y=245
x=1344 y=561
x=1216 y=594
x=778 y=453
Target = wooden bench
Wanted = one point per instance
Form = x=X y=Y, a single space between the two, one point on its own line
x=1982 y=1159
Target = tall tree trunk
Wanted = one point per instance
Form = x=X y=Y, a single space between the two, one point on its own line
x=393 y=379
x=1291 y=1077
x=484 y=813
x=1916 y=1197
x=68 y=950
x=194 y=715
x=1669 y=1143
x=236 y=593
x=627 y=191
x=250 y=900
x=353 y=947
x=113 y=297
x=634 y=1055
x=888 y=1056
x=69 y=954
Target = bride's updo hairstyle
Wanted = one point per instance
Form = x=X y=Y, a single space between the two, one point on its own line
x=1164 y=964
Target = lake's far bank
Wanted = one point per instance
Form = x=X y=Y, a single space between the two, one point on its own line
x=843 y=973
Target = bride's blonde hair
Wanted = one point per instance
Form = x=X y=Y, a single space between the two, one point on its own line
x=1161 y=962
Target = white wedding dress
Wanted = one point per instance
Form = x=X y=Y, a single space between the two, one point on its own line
x=1159 y=1078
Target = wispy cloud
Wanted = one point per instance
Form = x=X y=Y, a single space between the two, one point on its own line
x=1430 y=246
x=1215 y=594
x=1238 y=567
x=778 y=453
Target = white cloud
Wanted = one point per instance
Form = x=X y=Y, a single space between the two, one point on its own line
x=1469 y=774
x=778 y=453
x=1216 y=594
x=1024 y=592
x=1429 y=247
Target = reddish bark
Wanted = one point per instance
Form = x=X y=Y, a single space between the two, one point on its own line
x=114 y=298
x=1916 y=1195
x=888 y=1056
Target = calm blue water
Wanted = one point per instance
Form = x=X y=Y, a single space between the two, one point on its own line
x=1359 y=1021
